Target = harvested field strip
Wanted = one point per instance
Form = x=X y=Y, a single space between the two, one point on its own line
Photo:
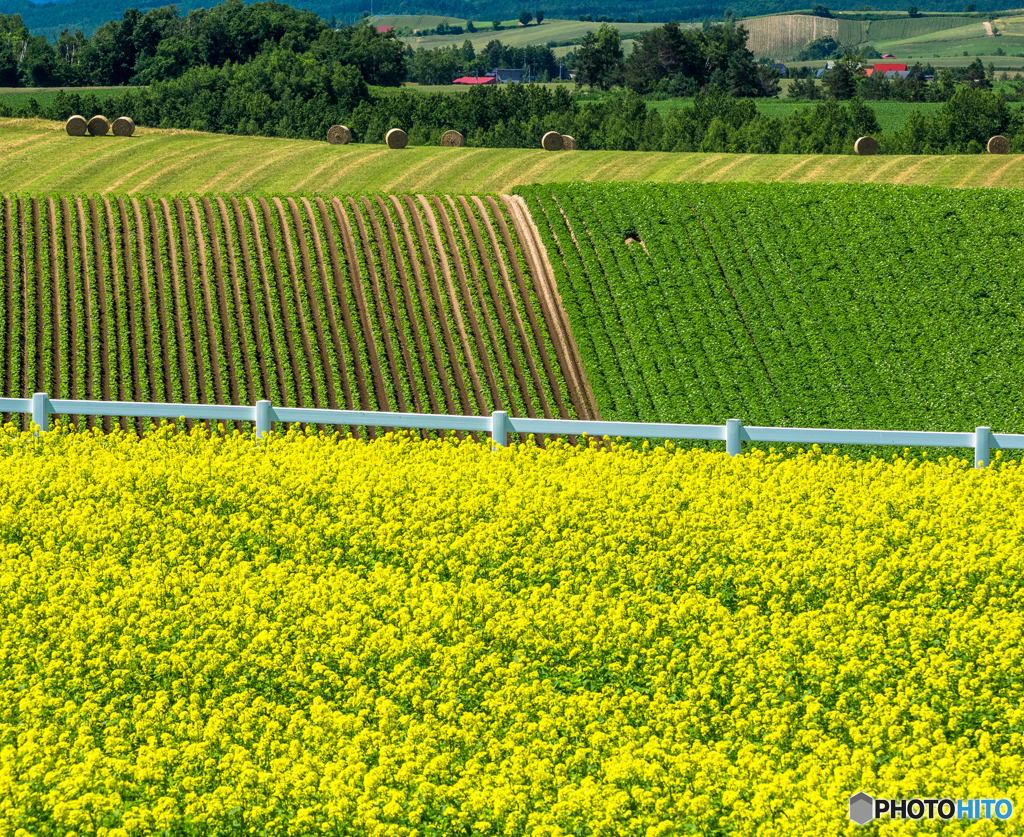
x=415 y=303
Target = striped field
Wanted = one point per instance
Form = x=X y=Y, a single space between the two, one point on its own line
x=37 y=157
x=410 y=304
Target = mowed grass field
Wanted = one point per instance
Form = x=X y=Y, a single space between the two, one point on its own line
x=511 y=33
x=37 y=157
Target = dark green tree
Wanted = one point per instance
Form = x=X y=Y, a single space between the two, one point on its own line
x=599 y=61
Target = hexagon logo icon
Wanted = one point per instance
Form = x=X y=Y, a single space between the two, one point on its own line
x=862 y=808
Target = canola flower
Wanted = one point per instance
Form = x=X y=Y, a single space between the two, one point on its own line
x=321 y=635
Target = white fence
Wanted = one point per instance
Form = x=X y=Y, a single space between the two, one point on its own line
x=499 y=424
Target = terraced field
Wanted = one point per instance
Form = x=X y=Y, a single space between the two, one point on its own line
x=37 y=157
x=414 y=304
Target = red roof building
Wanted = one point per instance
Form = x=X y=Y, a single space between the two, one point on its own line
x=476 y=80
x=884 y=68
x=382 y=29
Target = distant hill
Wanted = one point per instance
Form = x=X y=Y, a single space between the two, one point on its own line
x=88 y=15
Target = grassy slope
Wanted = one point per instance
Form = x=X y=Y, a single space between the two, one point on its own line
x=520 y=36
x=818 y=305
x=37 y=157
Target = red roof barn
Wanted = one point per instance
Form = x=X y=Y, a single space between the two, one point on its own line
x=884 y=68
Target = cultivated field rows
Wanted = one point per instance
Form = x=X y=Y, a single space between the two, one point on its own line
x=408 y=304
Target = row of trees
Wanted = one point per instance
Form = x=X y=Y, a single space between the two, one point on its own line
x=164 y=44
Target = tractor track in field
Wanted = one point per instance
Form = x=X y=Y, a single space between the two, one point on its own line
x=8 y=303
x=89 y=335
x=509 y=344
x=104 y=307
x=325 y=291
x=38 y=302
x=147 y=301
x=240 y=324
x=523 y=341
x=128 y=283
x=220 y=285
x=56 y=306
x=275 y=264
x=72 y=308
x=206 y=293
x=250 y=296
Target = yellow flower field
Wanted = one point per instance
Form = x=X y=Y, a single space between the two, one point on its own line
x=319 y=635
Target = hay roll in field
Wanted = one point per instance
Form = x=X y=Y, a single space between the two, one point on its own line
x=339 y=135
x=124 y=126
x=452 y=139
x=396 y=138
x=568 y=143
x=866 y=146
x=76 y=126
x=99 y=126
x=552 y=141
x=998 y=145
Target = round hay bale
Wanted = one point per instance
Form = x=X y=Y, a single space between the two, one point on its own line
x=866 y=146
x=568 y=143
x=124 y=126
x=339 y=135
x=452 y=139
x=99 y=126
x=396 y=138
x=552 y=141
x=998 y=145
x=76 y=126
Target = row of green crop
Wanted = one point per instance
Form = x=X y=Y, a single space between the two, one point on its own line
x=351 y=304
x=799 y=305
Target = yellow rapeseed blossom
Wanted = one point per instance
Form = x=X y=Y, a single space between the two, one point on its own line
x=320 y=635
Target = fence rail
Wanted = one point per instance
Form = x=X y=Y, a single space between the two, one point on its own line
x=499 y=424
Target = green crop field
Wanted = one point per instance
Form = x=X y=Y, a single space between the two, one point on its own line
x=37 y=157
x=16 y=97
x=898 y=29
x=779 y=36
x=799 y=305
x=513 y=34
x=412 y=304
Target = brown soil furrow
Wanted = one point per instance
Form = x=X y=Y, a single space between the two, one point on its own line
x=502 y=316
x=115 y=313
x=410 y=307
x=180 y=315
x=87 y=280
x=261 y=264
x=332 y=318
x=147 y=303
x=23 y=304
x=71 y=343
x=236 y=296
x=253 y=319
x=509 y=349
x=103 y=305
x=554 y=311
x=300 y=313
x=468 y=296
x=378 y=304
x=206 y=295
x=56 y=329
x=38 y=297
x=286 y=326
x=220 y=288
x=425 y=306
x=453 y=297
x=190 y=299
x=531 y=316
x=161 y=300
x=362 y=309
x=393 y=304
x=133 y=315
x=9 y=239
x=314 y=308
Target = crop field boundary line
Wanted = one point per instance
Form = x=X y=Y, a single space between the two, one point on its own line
x=499 y=424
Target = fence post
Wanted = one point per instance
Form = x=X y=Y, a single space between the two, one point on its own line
x=732 y=436
x=981 y=445
x=41 y=411
x=499 y=429
x=262 y=419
